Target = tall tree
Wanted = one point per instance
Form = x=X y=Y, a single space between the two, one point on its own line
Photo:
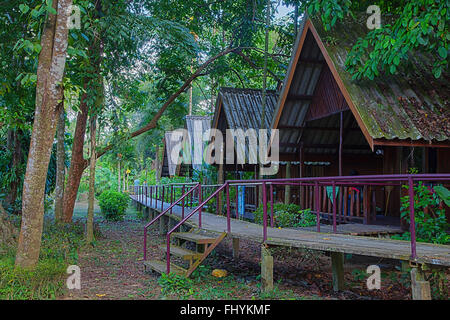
x=52 y=60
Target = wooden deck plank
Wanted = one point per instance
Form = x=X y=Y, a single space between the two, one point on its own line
x=323 y=241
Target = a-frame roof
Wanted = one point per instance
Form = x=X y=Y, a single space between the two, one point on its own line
x=411 y=108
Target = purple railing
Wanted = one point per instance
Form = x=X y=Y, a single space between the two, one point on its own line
x=314 y=185
x=163 y=213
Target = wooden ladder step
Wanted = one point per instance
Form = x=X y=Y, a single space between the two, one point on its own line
x=194 y=237
x=181 y=252
x=161 y=267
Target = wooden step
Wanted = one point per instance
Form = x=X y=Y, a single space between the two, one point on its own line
x=194 y=237
x=181 y=252
x=160 y=267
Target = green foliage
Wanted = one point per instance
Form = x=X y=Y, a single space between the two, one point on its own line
x=175 y=284
x=430 y=221
x=408 y=27
x=287 y=216
x=113 y=205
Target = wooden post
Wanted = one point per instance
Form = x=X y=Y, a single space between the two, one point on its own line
x=301 y=174
x=337 y=265
x=235 y=248
x=287 y=188
x=220 y=180
x=420 y=288
x=266 y=269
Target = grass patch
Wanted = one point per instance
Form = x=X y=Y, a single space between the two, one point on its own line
x=203 y=286
x=59 y=249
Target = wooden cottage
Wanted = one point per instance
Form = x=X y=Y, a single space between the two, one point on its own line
x=335 y=126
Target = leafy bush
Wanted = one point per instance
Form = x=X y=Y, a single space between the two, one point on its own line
x=113 y=205
x=430 y=221
x=287 y=216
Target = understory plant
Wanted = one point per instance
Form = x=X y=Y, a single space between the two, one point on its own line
x=287 y=216
x=429 y=215
x=113 y=205
x=59 y=249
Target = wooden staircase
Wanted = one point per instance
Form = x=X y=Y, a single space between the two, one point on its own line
x=205 y=244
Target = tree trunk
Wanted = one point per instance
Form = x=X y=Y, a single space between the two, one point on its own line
x=51 y=64
x=90 y=217
x=77 y=163
x=60 y=165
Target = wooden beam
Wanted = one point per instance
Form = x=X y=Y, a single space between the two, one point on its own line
x=315 y=128
x=299 y=97
x=324 y=146
x=305 y=60
x=410 y=143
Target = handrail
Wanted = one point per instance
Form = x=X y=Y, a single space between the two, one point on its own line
x=316 y=182
x=161 y=214
x=199 y=207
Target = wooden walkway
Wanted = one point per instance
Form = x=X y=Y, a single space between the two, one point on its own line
x=344 y=243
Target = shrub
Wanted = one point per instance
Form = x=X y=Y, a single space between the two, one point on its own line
x=113 y=205
x=287 y=216
x=430 y=220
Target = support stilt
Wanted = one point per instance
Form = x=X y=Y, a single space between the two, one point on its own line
x=266 y=269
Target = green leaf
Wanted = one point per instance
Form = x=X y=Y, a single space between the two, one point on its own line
x=392 y=69
x=437 y=72
x=24 y=8
x=442 y=52
x=396 y=60
x=443 y=193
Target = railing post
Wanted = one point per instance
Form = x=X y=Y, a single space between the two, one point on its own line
x=237 y=199
x=182 y=205
x=317 y=204
x=412 y=224
x=200 y=197
x=146 y=194
x=334 y=206
x=228 y=208
x=171 y=197
x=264 y=191
x=162 y=201
x=272 y=218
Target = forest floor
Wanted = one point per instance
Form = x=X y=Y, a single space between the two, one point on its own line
x=112 y=268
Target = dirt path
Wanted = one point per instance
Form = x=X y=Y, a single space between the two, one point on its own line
x=112 y=269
